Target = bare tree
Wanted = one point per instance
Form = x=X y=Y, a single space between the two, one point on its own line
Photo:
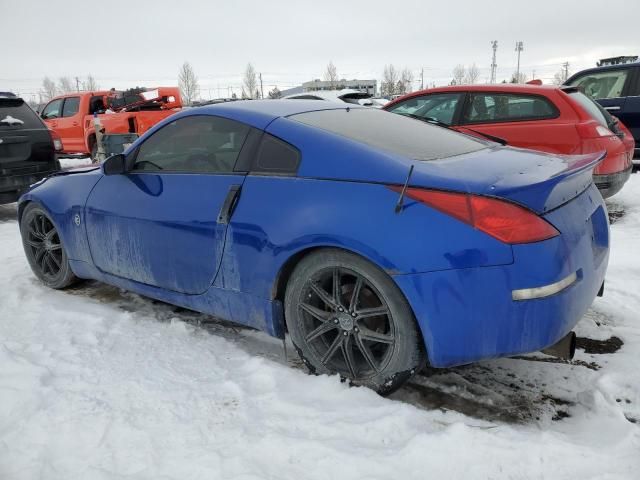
x=406 y=81
x=472 y=74
x=519 y=77
x=275 y=93
x=49 y=89
x=250 y=81
x=65 y=85
x=188 y=83
x=90 y=84
x=459 y=74
x=389 y=80
x=331 y=75
x=560 y=76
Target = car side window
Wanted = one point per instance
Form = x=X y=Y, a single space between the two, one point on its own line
x=195 y=144
x=437 y=106
x=71 y=106
x=275 y=156
x=607 y=84
x=52 y=110
x=507 y=107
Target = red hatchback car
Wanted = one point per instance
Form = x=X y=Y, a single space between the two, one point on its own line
x=545 y=118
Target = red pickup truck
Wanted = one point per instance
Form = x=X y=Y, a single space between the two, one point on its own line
x=131 y=111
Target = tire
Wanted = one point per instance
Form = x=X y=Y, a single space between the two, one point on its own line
x=371 y=341
x=43 y=247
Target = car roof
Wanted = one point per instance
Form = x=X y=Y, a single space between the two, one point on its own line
x=260 y=113
x=329 y=94
x=489 y=87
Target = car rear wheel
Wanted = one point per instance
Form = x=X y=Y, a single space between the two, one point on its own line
x=346 y=316
x=44 y=249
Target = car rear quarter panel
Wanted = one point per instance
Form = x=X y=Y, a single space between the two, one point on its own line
x=277 y=217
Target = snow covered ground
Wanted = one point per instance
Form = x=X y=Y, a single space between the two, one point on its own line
x=97 y=383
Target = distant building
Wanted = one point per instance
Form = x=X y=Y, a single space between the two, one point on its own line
x=367 y=86
x=291 y=91
x=617 y=60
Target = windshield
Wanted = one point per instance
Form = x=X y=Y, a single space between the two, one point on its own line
x=394 y=133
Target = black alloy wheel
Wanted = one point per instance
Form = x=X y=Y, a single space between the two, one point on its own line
x=347 y=316
x=43 y=248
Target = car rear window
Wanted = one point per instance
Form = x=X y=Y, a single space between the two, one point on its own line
x=593 y=109
x=391 y=132
x=16 y=114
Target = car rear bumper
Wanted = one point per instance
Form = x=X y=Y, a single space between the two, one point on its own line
x=611 y=183
x=12 y=186
x=468 y=315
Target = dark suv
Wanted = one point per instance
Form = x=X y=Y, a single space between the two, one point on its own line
x=617 y=89
x=27 y=152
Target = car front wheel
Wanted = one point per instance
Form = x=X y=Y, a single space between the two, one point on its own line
x=346 y=316
x=44 y=249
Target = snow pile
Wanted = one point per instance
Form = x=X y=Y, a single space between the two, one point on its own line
x=100 y=384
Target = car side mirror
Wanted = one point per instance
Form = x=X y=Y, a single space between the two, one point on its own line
x=115 y=165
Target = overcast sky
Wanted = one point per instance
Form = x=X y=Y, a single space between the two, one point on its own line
x=128 y=43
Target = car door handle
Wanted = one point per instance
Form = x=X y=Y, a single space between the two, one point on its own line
x=75 y=124
x=612 y=109
x=229 y=204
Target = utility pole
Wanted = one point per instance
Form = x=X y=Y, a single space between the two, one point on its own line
x=565 y=74
x=422 y=79
x=494 y=65
x=519 y=48
x=261 y=90
x=533 y=74
x=77 y=84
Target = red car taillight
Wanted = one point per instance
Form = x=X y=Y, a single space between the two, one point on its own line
x=506 y=221
x=593 y=129
x=57 y=142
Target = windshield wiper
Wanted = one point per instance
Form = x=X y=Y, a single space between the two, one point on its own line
x=431 y=120
x=493 y=138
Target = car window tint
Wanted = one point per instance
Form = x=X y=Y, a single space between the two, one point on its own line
x=53 y=109
x=438 y=106
x=15 y=114
x=198 y=144
x=393 y=133
x=71 y=106
x=276 y=156
x=607 y=84
x=506 y=107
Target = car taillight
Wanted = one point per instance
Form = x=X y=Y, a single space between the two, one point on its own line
x=57 y=142
x=593 y=129
x=503 y=220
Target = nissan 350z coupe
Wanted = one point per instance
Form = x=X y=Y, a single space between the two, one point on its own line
x=377 y=241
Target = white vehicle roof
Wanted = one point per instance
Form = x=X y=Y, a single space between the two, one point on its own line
x=347 y=95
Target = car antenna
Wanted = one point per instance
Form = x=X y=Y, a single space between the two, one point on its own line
x=403 y=191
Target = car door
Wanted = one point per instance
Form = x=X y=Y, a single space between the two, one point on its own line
x=521 y=119
x=610 y=88
x=69 y=125
x=442 y=107
x=160 y=224
x=52 y=112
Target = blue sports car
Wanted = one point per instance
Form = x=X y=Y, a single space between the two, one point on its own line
x=379 y=242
